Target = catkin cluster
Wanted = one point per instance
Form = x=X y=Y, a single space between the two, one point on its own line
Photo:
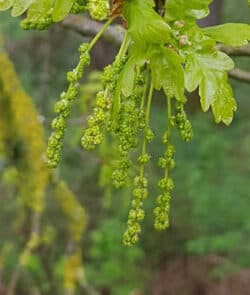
x=121 y=118
x=62 y=107
x=166 y=185
x=130 y=121
x=38 y=23
x=98 y=9
x=183 y=124
x=79 y=6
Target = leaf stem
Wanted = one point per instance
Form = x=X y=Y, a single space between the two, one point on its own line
x=145 y=90
x=100 y=33
x=124 y=46
x=150 y=95
x=169 y=113
x=144 y=144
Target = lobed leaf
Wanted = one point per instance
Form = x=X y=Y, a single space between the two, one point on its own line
x=208 y=71
x=167 y=71
x=138 y=55
x=61 y=9
x=144 y=24
x=20 y=6
x=183 y=9
x=232 y=34
x=224 y=104
x=39 y=8
x=193 y=73
x=5 y=4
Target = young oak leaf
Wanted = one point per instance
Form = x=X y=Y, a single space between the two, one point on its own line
x=167 y=71
x=138 y=55
x=61 y=9
x=215 y=61
x=224 y=104
x=39 y=9
x=6 y=4
x=193 y=73
x=20 y=6
x=145 y=25
x=208 y=71
x=215 y=91
x=183 y=9
x=231 y=34
x=166 y=68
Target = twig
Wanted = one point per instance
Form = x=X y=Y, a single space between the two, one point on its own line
x=35 y=228
x=240 y=75
x=46 y=51
x=235 y=51
x=14 y=279
x=87 y=27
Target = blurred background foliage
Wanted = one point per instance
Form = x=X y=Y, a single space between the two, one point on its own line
x=211 y=202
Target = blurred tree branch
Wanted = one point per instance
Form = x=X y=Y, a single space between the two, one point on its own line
x=88 y=28
x=240 y=75
x=235 y=51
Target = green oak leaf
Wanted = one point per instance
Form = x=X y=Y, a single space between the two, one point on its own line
x=216 y=60
x=207 y=89
x=224 y=104
x=232 y=34
x=39 y=9
x=167 y=71
x=183 y=9
x=193 y=73
x=127 y=77
x=5 y=4
x=215 y=91
x=20 y=6
x=208 y=71
x=61 y=9
x=166 y=68
x=138 y=55
x=144 y=24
